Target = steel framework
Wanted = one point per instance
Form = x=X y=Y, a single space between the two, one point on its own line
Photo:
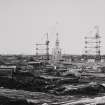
x=43 y=47
x=92 y=44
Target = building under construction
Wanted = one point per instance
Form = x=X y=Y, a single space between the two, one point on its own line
x=92 y=45
x=92 y=49
x=42 y=49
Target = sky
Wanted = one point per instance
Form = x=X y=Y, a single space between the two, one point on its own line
x=23 y=23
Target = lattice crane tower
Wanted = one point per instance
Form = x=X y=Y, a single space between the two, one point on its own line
x=56 y=55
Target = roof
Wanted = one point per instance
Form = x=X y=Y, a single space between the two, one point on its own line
x=33 y=62
x=7 y=67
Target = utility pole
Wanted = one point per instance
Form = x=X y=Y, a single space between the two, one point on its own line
x=47 y=47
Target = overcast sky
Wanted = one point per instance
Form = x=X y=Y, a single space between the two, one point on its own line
x=25 y=22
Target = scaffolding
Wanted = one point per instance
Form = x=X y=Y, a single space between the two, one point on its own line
x=92 y=45
x=43 y=47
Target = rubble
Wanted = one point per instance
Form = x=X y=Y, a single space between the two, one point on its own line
x=13 y=101
x=53 y=85
x=87 y=89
